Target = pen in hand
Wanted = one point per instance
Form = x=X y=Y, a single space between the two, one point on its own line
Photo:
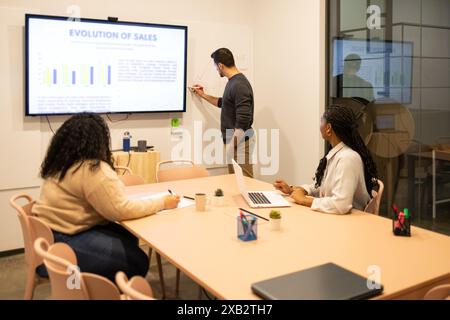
x=173 y=194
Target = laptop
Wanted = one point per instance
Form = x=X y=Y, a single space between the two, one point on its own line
x=324 y=282
x=258 y=199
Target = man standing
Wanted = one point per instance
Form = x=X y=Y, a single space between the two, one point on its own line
x=237 y=106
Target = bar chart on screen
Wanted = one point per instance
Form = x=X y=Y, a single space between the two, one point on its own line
x=82 y=75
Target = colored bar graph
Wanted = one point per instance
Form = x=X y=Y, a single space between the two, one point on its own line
x=66 y=74
x=47 y=76
x=102 y=75
x=85 y=75
x=92 y=75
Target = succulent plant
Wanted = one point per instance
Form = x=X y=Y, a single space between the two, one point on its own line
x=275 y=214
x=218 y=193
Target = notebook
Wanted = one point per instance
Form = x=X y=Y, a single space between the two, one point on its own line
x=145 y=196
x=324 y=282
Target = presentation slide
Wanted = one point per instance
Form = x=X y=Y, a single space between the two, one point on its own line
x=385 y=68
x=104 y=67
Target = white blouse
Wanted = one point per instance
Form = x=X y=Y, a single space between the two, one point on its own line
x=343 y=186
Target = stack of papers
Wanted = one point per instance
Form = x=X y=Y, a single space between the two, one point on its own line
x=146 y=196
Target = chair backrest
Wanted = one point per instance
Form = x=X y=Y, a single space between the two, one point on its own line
x=135 y=289
x=374 y=204
x=125 y=170
x=128 y=178
x=438 y=293
x=132 y=180
x=190 y=172
x=67 y=282
x=61 y=262
x=32 y=228
x=100 y=288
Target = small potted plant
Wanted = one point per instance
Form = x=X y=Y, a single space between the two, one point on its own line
x=218 y=199
x=275 y=220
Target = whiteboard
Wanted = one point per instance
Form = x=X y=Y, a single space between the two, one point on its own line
x=204 y=38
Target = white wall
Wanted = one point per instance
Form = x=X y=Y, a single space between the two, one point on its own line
x=289 y=81
x=279 y=43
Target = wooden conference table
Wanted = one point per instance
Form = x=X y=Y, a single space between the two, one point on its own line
x=204 y=245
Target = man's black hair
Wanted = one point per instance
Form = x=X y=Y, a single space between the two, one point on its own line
x=223 y=56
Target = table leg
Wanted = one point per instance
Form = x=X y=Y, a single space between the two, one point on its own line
x=177 y=284
x=161 y=275
x=434 y=184
x=389 y=183
x=411 y=184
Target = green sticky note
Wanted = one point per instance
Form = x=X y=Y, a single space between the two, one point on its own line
x=175 y=123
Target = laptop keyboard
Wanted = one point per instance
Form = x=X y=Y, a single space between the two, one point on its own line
x=258 y=198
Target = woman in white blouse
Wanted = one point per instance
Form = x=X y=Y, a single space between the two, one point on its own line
x=346 y=176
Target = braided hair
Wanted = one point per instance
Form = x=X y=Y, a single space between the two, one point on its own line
x=343 y=122
x=83 y=137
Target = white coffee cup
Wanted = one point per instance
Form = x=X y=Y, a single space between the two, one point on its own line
x=201 y=200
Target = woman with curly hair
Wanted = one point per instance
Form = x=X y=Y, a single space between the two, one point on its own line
x=82 y=198
x=346 y=176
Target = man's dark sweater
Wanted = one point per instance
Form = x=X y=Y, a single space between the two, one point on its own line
x=237 y=107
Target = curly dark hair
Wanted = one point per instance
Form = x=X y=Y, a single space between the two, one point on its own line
x=82 y=137
x=343 y=122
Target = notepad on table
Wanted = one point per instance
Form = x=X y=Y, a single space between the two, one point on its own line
x=149 y=196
